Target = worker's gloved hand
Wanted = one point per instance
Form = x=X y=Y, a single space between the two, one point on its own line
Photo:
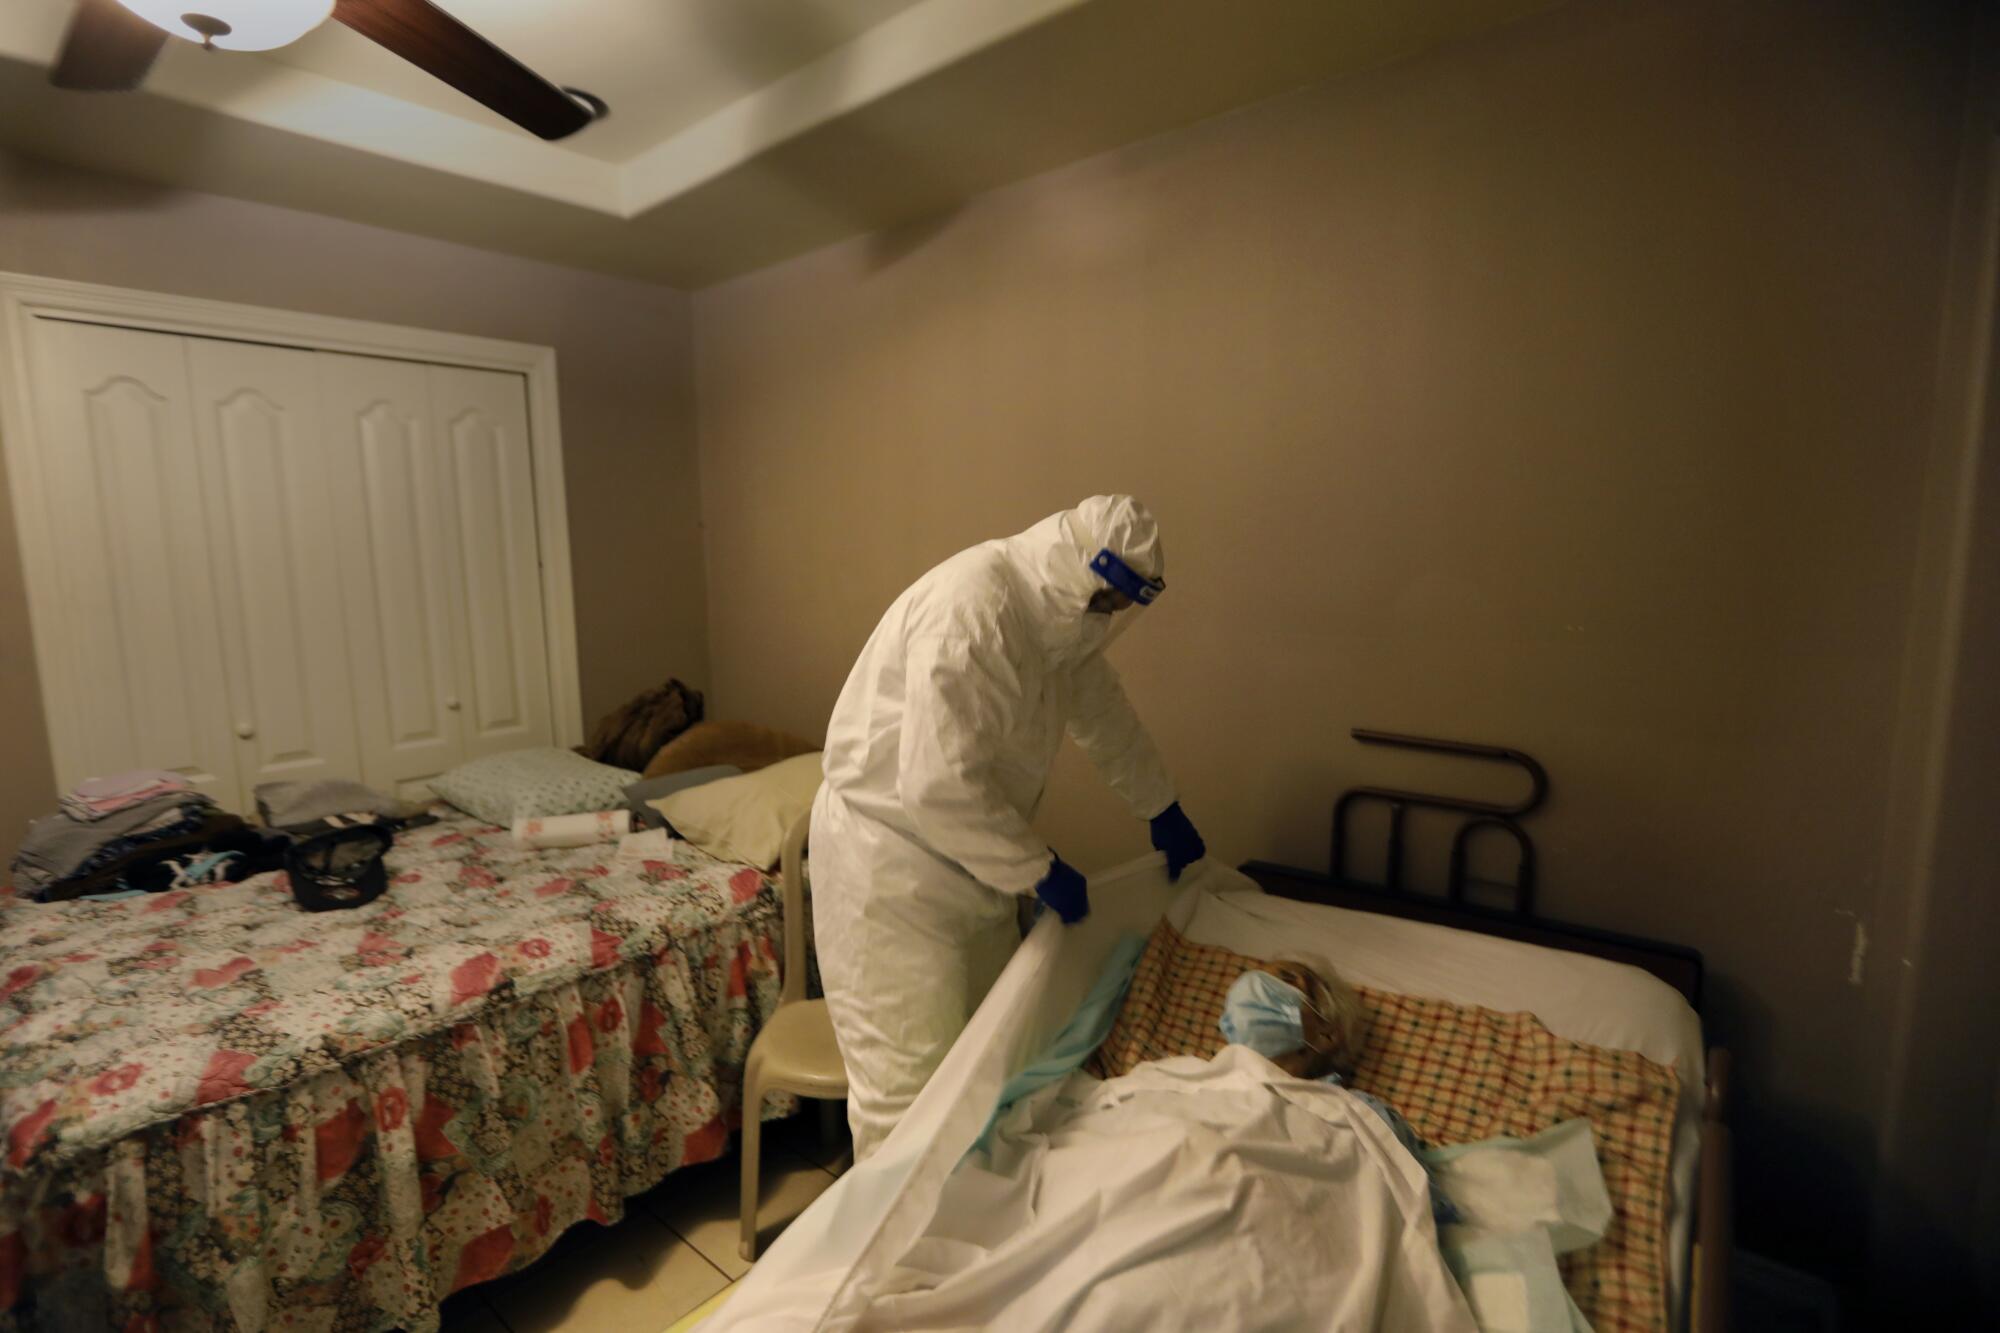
x=1065 y=889
x=1174 y=834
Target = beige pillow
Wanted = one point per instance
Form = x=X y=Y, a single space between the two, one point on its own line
x=745 y=818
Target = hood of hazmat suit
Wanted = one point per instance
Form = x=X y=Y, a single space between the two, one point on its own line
x=936 y=756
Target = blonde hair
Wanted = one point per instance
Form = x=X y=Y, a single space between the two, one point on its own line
x=1335 y=1001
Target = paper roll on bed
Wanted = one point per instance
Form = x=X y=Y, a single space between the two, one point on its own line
x=572 y=830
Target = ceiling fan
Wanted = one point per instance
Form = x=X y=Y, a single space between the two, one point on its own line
x=112 y=43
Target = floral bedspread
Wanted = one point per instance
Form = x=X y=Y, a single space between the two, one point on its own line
x=220 y=1111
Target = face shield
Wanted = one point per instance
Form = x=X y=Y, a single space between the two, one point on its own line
x=1125 y=595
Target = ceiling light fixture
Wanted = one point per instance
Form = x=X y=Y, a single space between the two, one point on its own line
x=234 y=25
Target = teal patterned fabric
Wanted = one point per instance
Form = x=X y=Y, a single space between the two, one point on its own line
x=531 y=784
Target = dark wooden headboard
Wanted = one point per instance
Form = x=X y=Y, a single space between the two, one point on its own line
x=1677 y=965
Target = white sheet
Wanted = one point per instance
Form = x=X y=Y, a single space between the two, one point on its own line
x=828 y=1264
x=1581 y=998
x=1188 y=1194
x=822 y=1272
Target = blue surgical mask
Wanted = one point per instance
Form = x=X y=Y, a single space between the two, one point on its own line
x=1263 y=1013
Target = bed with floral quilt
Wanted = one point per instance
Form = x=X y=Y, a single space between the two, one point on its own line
x=219 y=1111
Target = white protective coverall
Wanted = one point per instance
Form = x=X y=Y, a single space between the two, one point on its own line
x=936 y=757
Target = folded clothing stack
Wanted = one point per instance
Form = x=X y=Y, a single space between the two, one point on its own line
x=95 y=798
x=145 y=830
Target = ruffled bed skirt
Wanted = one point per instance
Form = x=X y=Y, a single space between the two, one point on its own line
x=359 y=1197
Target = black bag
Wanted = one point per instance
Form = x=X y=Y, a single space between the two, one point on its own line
x=339 y=869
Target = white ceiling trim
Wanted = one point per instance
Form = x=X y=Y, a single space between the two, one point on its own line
x=917 y=42
x=340 y=113
x=870 y=122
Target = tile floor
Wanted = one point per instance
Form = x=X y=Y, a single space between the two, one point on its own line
x=674 y=1252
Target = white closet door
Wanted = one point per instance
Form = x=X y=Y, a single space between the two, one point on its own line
x=395 y=562
x=495 y=567
x=273 y=540
x=131 y=624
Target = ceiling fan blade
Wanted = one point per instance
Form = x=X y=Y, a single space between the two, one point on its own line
x=108 y=49
x=441 y=46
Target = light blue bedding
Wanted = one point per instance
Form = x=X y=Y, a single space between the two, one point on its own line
x=1085 y=1032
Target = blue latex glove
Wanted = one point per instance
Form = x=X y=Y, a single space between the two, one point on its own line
x=1065 y=889
x=1175 y=835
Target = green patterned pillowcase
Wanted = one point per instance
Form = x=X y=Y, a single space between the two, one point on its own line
x=533 y=784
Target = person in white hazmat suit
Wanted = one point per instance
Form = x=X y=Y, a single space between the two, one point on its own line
x=936 y=757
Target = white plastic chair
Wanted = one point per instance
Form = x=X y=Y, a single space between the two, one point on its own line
x=796 y=1051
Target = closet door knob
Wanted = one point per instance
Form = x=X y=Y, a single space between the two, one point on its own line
x=245 y=731
x=452 y=704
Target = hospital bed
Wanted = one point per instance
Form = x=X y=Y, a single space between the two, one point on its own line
x=1586 y=986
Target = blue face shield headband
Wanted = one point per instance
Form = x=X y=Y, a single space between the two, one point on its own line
x=1107 y=566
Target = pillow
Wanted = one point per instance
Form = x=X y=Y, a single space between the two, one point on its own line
x=745 y=818
x=652 y=789
x=744 y=744
x=299 y=803
x=530 y=784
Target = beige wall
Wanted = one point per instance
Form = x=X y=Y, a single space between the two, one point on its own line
x=1566 y=388
x=624 y=371
x=1938 y=1221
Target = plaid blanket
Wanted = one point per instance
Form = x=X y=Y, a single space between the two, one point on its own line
x=1460 y=1073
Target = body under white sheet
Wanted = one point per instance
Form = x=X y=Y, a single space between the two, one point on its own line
x=834 y=1263
x=1189 y=1193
